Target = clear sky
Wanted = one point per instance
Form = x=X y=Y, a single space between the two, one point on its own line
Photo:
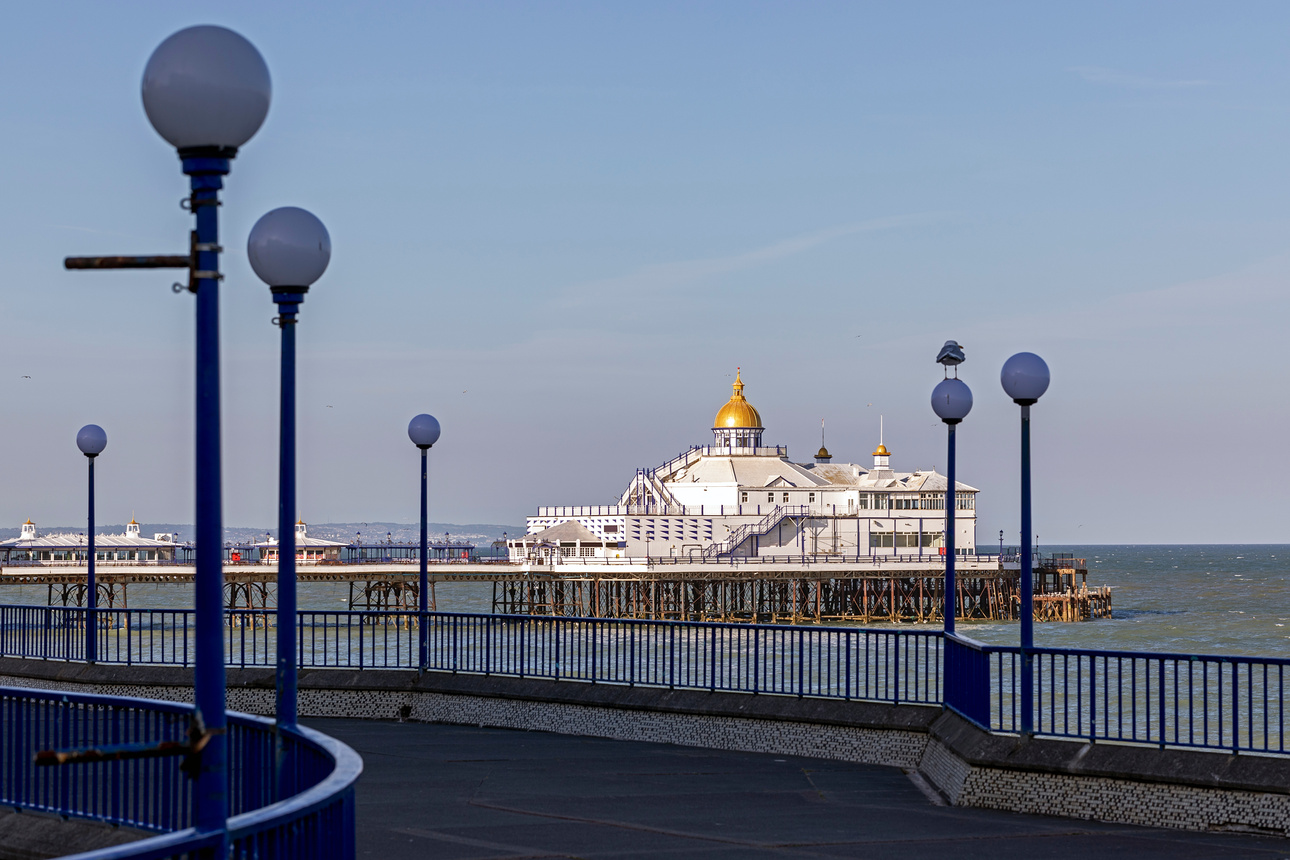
x=560 y=226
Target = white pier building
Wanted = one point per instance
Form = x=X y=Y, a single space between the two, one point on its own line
x=737 y=498
x=131 y=547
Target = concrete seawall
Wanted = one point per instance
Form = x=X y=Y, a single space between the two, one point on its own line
x=964 y=765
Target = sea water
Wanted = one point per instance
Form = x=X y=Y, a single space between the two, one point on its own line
x=1190 y=599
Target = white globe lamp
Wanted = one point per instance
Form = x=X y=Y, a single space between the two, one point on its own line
x=1025 y=378
x=206 y=88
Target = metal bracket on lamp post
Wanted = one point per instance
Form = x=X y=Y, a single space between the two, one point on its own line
x=155 y=261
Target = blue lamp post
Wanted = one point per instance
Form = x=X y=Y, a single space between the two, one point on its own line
x=206 y=90
x=423 y=430
x=951 y=401
x=289 y=249
x=1025 y=378
x=91 y=440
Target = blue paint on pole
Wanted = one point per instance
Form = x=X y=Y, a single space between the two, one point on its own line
x=949 y=536
x=91 y=594
x=1027 y=584
x=423 y=596
x=211 y=798
x=288 y=300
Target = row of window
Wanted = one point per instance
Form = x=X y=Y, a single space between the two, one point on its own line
x=887 y=501
x=919 y=502
x=73 y=555
x=906 y=539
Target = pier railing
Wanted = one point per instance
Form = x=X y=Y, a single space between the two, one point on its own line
x=1228 y=703
x=846 y=663
x=303 y=809
x=1231 y=703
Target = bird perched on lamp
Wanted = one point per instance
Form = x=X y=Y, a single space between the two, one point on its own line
x=951 y=355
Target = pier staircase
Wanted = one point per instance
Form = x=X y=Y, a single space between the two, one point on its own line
x=647 y=490
x=762 y=527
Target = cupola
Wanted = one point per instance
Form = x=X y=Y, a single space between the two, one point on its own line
x=881 y=459
x=28 y=530
x=737 y=425
x=132 y=528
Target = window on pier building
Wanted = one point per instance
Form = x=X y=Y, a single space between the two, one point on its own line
x=810 y=497
x=964 y=501
x=906 y=503
x=932 y=501
x=743 y=497
x=770 y=497
x=786 y=497
x=881 y=539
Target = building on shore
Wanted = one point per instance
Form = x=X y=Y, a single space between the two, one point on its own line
x=738 y=498
x=131 y=547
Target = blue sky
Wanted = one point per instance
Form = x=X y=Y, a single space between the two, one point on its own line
x=559 y=227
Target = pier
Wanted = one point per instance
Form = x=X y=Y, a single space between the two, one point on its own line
x=769 y=589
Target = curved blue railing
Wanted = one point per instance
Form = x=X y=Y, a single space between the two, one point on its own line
x=305 y=808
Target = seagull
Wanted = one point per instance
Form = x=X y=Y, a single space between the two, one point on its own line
x=330 y=407
x=951 y=355
x=26 y=377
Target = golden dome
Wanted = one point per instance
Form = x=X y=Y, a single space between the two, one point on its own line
x=882 y=451
x=823 y=454
x=737 y=412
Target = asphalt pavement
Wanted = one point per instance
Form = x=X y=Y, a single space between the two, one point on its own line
x=464 y=793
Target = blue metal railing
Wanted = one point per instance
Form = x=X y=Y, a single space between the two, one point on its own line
x=1235 y=704
x=848 y=663
x=305 y=809
x=1230 y=703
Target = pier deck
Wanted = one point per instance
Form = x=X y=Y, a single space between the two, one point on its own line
x=800 y=589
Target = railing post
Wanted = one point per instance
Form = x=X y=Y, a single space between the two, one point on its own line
x=1161 y=694
x=1092 y=698
x=801 y=661
x=895 y=668
x=1236 y=706
x=712 y=659
x=756 y=650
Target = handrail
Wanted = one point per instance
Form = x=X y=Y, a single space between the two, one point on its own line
x=1227 y=702
x=316 y=813
x=1232 y=703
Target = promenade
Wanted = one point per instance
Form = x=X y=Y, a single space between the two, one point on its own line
x=464 y=793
